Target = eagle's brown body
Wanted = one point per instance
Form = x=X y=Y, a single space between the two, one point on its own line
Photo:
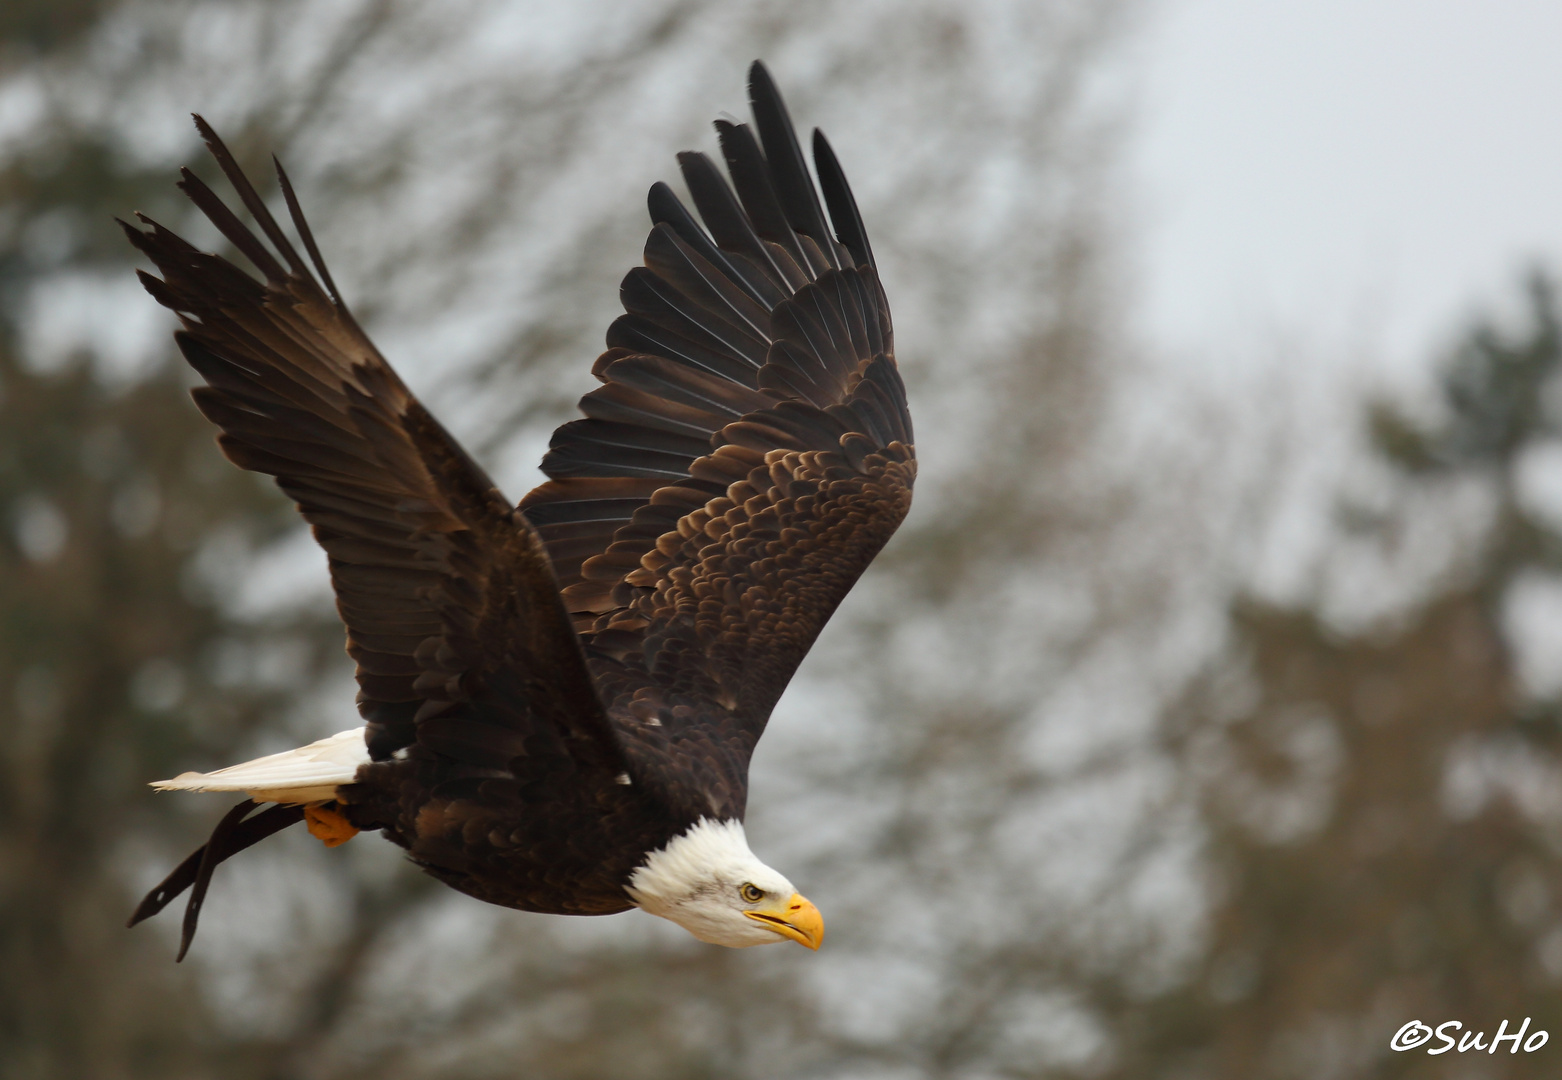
x=556 y=689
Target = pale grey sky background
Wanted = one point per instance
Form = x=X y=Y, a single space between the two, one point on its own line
x=1352 y=172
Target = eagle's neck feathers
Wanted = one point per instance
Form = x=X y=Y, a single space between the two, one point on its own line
x=691 y=863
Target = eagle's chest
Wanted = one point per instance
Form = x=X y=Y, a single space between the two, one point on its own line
x=569 y=854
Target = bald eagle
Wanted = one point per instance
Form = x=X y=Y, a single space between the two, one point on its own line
x=561 y=697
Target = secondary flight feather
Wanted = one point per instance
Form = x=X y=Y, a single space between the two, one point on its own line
x=561 y=697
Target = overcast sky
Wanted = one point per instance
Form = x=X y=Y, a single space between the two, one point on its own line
x=1349 y=171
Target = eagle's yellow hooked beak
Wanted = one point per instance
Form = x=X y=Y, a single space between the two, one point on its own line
x=795 y=918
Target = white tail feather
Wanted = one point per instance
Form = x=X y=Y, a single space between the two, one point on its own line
x=309 y=774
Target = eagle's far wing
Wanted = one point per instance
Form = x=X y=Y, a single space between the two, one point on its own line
x=749 y=453
x=453 y=615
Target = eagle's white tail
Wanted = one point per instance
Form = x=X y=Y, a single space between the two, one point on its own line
x=309 y=774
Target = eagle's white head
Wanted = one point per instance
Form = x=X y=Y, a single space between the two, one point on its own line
x=709 y=882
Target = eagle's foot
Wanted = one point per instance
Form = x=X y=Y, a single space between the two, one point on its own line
x=328 y=826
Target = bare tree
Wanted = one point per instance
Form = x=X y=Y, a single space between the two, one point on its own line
x=992 y=851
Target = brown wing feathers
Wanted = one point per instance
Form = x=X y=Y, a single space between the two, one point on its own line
x=442 y=586
x=748 y=452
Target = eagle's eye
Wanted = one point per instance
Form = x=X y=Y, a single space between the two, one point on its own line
x=751 y=893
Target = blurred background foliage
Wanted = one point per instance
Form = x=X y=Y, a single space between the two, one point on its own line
x=1079 y=796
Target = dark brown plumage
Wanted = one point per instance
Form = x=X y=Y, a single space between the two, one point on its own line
x=554 y=690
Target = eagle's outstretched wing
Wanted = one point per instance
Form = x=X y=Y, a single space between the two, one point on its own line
x=749 y=453
x=452 y=613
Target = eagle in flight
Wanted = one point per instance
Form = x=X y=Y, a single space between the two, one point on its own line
x=561 y=698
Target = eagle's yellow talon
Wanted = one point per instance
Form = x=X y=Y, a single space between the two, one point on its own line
x=328 y=826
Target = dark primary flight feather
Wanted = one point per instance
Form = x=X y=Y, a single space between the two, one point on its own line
x=554 y=690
